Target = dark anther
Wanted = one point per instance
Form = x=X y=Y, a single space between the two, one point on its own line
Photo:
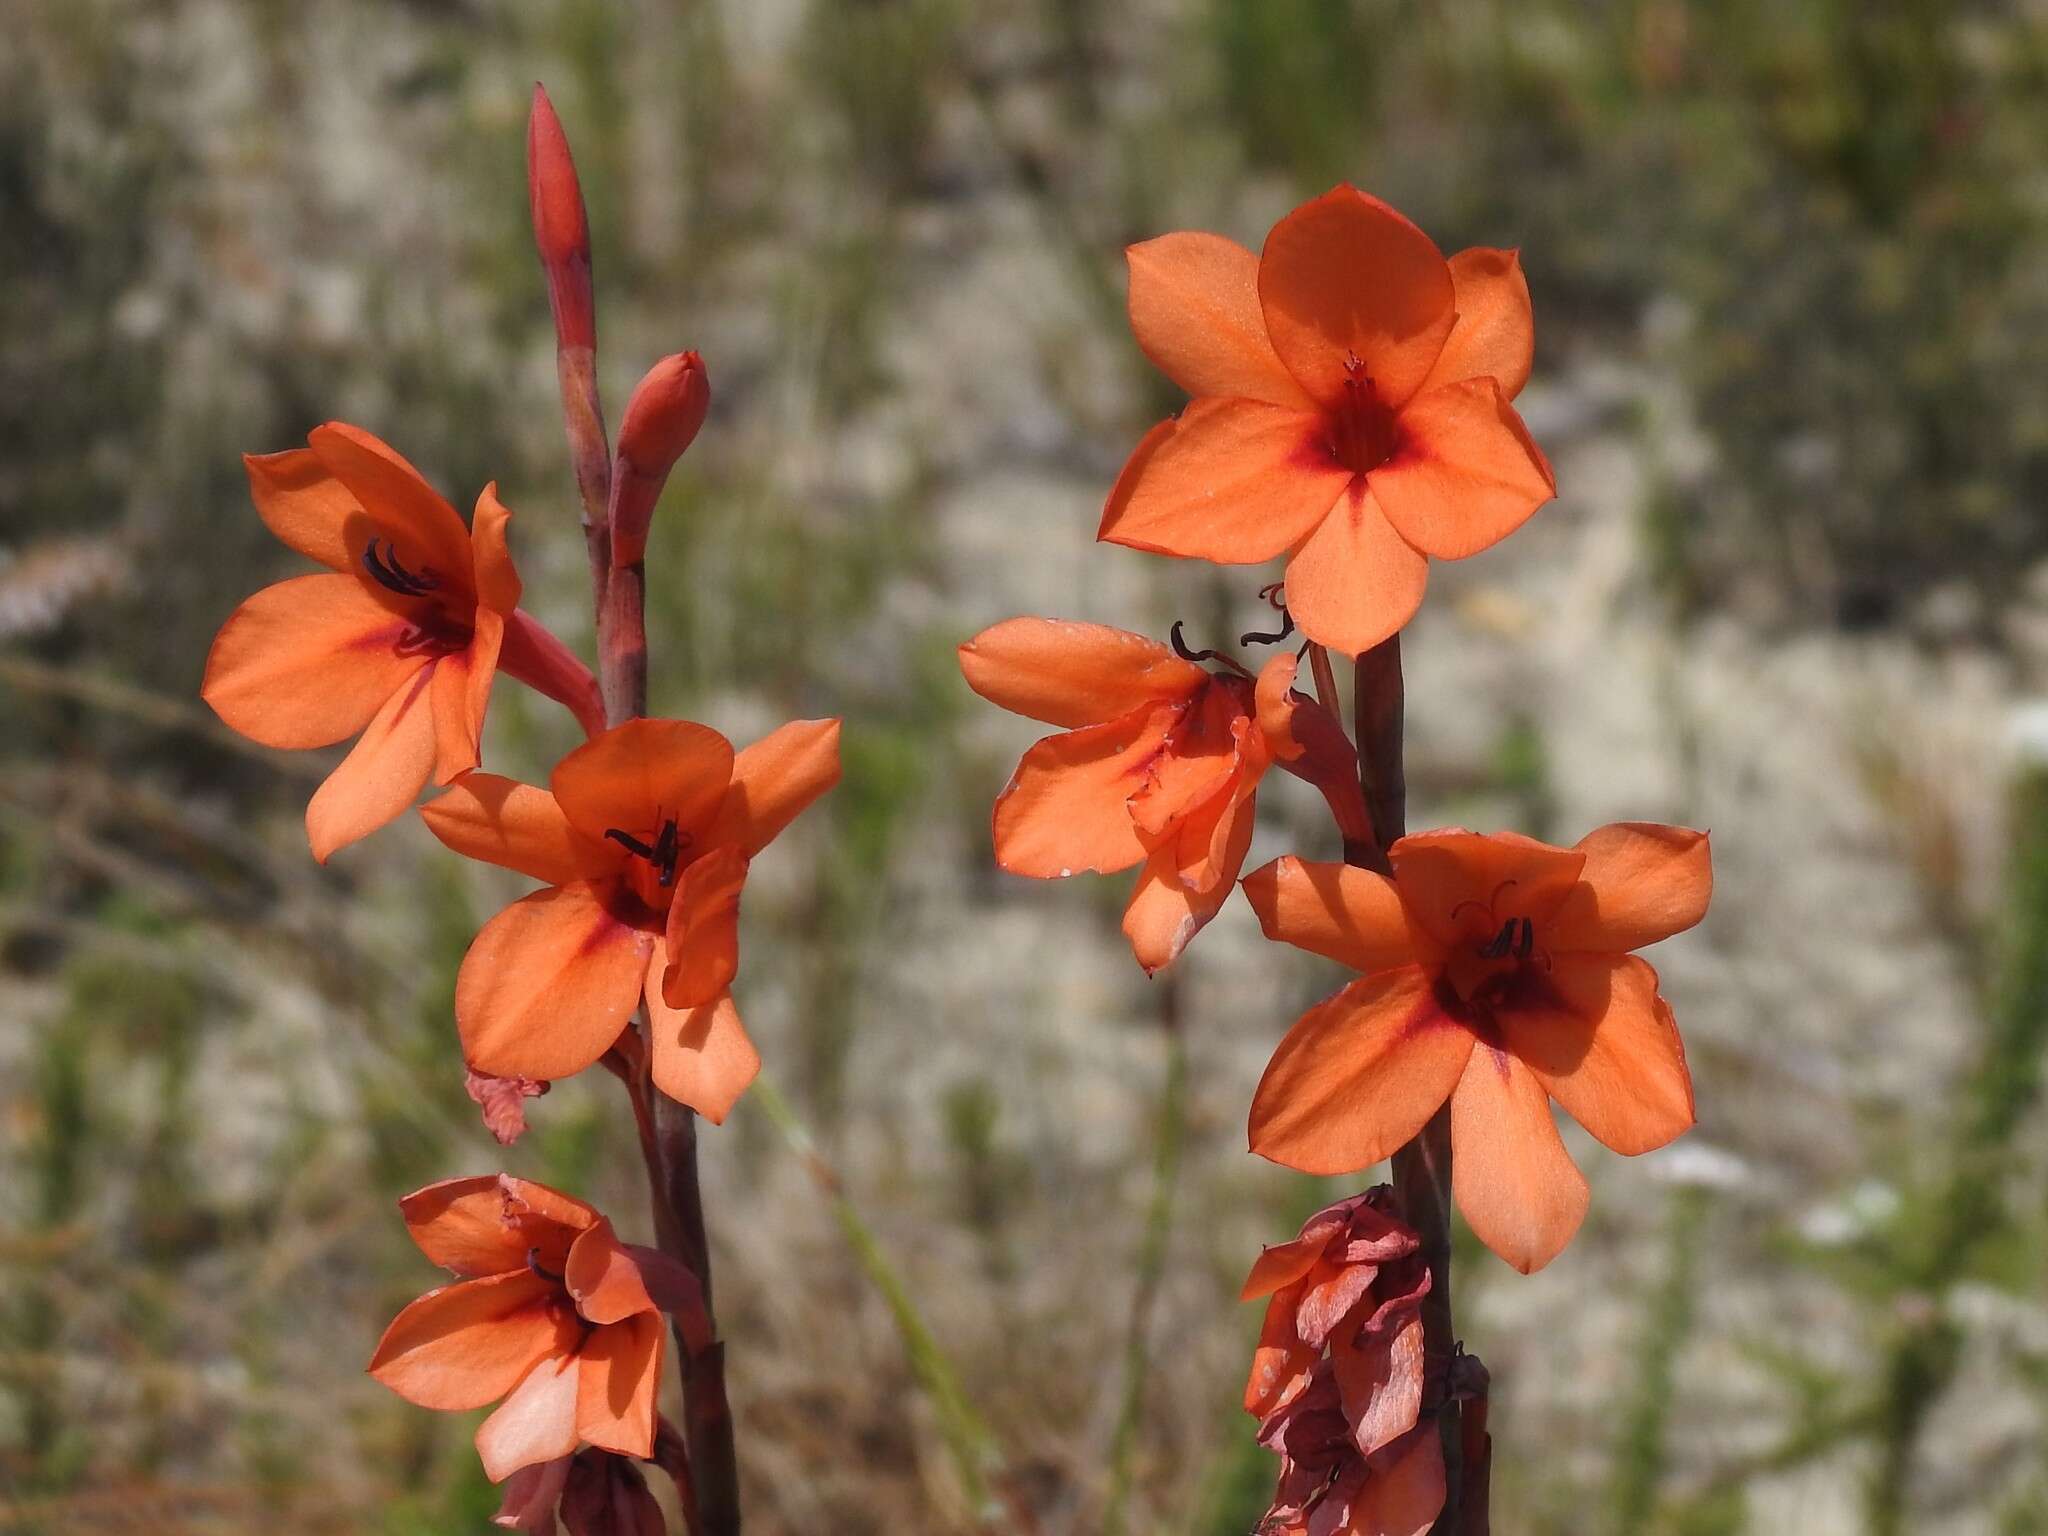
x=1274 y=592
x=1180 y=649
x=388 y=573
x=1517 y=934
x=663 y=854
x=533 y=1263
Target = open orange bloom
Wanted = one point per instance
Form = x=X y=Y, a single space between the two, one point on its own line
x=553 y=1314
x=1350 y=409
x=1159 y=767
x=644 y=844
x=399 y=641
x=1497 y=975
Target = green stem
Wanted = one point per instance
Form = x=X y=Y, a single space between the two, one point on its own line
x=977 y=1459
x=1169 y=1138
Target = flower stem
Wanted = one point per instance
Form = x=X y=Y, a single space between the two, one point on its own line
x=1422 y=1168
x=668 y=1130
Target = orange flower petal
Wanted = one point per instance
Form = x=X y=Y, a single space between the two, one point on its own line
x=462 y=692
x=1495 y=336
x=773 y=781
x=603 y=1278
x=1351 y=915
x=1466 y=473
x=1072 y=674
x=1236 y=482
x=305 y=506
x=1459 y=886
x=1641 y=883
x=1186 y=881
x=496 y=582
x=1345 y=276
x=1194 y=305
x=398 y=504
x=1516 y=1184
x=621 y=1372
x=1280 y=1363
x=548 y=984
x=702 y=1056
x=516 y=826
x=642 y=773
x=1356 y=581
x=1405 y=1498
x=1608 y=1052
x=306 y=663
x=1205 y=756
x=536 y=1423
x=1281 y=1264
x=1067 y=807
x=703 y=942
x=487 y=1225
x=381 y=776
x=1358 y=1075
x=1273 y=706
x=468 y=1344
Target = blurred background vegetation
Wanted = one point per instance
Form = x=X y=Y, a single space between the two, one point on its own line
x=979 y=1253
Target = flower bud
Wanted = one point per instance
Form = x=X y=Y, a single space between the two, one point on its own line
x=561 y=229
x=662 y=419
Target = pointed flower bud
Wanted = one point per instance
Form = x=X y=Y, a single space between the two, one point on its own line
x=560 y=228
x=662 y=419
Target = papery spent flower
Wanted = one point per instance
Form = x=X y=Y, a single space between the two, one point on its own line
x=1350 y=409
x=1353 y=1283
x=1328 y=1487
x=1497 y=975
x=607 y=1496
x=1159 y=766
x=552 y=1313
x=662 y=419
x=643 y=840
x=596 y=1493
x=399 y=641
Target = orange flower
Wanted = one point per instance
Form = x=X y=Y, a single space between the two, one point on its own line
x=1350 y=409
x=644 y=844
x=553 y=1314
x=1498 y=976
x=1159 y=766
x=399 y=641
x=1352 y=1281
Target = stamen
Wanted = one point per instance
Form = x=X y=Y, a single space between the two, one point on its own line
x=533 y=1263
x=1487 y=906
x=388 y=573
x=629 y=842
x=664 y=854
x=1180 y=649
x=1275 y=595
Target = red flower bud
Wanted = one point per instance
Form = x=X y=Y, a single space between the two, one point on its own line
x=662 y=419
x=560 y=228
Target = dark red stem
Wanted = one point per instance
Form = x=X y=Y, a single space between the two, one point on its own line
x=1422 y=1168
